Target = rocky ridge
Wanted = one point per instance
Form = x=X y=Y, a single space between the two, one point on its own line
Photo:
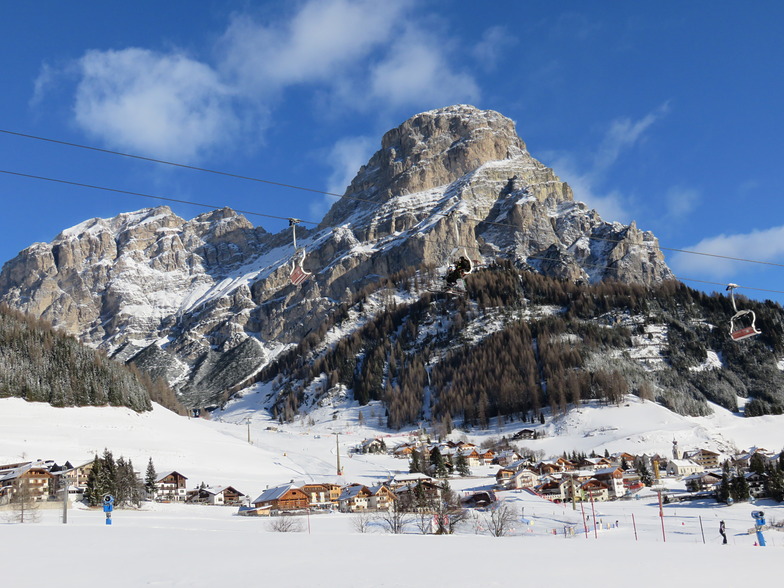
x=207 y=303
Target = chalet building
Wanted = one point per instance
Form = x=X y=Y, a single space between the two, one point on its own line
x=486 y=457
x=354 y=498
x=404 y=450
x=524 y=479
x=709 y=460
x=682 y=467
x=171 y=487
x=504 y=475
x=594 y=463
x=756 y=484
x=77 y=476
x=554 y=490
x=744 y=459
x=548 y=468
x=285 y=497
x=506 y=457
x=410 y=493
x=318 y=495
x=35 y=475
x=595 y=490
x=524 y=434
x=702 y=482
x=381 y=497
x=220 y=495
x=401 y=480
x=471 y=456
x=612 y=477
x=375 y=445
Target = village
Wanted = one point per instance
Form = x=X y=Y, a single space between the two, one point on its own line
x=424 y=480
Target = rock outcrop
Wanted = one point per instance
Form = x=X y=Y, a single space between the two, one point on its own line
x=206 y=303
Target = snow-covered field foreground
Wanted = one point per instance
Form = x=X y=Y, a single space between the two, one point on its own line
x=194 y=546
x=190 y=545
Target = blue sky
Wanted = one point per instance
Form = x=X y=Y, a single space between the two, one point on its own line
x=668 y=113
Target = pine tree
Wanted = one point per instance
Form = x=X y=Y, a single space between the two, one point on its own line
x=723 y=492
x=437 y=464
x=415 y=464
x=461 y=465
x=150 y=478
x=94 y=491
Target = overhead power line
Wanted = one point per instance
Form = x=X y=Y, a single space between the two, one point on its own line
x=306 y=189
x=130 y=193
x=248 y=212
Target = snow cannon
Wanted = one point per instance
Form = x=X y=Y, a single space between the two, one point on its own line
x=108 y=507
x=759 y=525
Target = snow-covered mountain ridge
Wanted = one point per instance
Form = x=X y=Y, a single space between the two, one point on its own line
x=206 y=303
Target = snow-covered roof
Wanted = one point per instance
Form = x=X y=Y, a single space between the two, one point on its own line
x=350 y=492
x=274 y=493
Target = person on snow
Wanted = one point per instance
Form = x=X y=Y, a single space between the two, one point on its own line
x=723 y=532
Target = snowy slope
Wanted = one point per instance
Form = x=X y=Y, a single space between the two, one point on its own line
x=241 y=551
x=217 y=452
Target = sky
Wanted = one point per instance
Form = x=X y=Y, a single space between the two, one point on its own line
x=666 y=113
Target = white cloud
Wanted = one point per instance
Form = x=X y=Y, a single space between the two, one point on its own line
x=359 y=55
x=346 y=157
x=416 y=71
x=611 y=206
x=761 y=245
x=166 y=105
x=622 y=134
x=586 y=178
x=680 y=202
x=319 y=42
x=495 y=41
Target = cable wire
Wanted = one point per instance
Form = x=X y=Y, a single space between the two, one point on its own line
x=426 y=239
x=317 y=191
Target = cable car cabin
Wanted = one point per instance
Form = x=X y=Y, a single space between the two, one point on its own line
x=737 y=332
x=298 y=275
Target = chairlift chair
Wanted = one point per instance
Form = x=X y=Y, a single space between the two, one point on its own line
x=298 y=274
x=738 y=332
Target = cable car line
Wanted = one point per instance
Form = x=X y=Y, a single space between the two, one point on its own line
x=317 y=191
x=212 y=206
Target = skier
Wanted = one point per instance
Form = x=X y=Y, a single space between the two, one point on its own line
x=723 y=532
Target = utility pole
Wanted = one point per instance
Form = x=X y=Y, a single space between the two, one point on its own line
x=65 y=499
x=337 y=453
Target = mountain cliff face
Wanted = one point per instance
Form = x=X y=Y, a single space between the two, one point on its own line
x=207 y=303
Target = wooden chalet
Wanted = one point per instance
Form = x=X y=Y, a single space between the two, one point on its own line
x=220 y=495
x=524 y=479
x=285 y=497
x=595 y=490
x=354 y=498
x=554 y=490
x=381 y=497
x=35 y=475
x=709 y=460
x=524 y=434
x=318 y=495
x=171 y=487
x=702 y=482
x=612 y=477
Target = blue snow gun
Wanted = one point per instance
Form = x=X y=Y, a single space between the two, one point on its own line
x=759 y=525
x=108 y=507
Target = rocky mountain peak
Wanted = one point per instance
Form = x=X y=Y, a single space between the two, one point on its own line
x=429 y=150
x=207 y=302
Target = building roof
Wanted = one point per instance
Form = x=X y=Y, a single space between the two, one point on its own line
x=275 y=493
